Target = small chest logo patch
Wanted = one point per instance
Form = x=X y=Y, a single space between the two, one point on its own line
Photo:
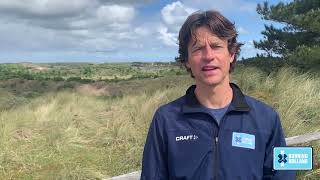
x=243 y=140
x=186 y=138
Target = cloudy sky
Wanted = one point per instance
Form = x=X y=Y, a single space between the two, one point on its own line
x=110 y=30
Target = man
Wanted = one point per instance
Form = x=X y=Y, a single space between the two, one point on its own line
x=214 y=131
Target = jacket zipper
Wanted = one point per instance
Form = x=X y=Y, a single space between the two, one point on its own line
x=216 y=157
x=216 y=151
x=216 y=142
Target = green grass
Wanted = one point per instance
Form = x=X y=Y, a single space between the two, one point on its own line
x=86 y=72
x=64 y=134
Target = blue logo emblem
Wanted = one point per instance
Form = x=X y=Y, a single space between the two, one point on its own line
x=243 y=140
x=292 y=158
x=282 y=158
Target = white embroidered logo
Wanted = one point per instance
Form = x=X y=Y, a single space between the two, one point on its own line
x=186 y=138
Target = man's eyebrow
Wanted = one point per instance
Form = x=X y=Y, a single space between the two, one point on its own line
x=215 y=43
x=194 y=43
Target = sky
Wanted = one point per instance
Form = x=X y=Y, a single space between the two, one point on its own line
x=99 y=31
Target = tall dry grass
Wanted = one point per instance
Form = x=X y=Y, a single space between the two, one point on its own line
x=295 y=96
x=67 y=135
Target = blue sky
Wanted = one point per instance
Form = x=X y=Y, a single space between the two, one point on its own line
x=111 y=30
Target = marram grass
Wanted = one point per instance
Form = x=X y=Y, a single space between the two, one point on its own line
x=66 y=135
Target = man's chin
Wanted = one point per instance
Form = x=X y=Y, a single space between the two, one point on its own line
x=211 y=83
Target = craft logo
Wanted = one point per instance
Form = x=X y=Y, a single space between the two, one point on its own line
x=292 y=158
x=186 y=138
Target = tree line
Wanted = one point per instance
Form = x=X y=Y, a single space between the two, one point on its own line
x=297 y=43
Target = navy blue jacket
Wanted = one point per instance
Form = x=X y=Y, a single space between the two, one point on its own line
x=185 y=142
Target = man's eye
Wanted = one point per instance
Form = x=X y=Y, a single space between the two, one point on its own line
x=216 y=47
x=196 y=49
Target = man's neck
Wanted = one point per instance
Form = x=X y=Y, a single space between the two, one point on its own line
x=214 y=97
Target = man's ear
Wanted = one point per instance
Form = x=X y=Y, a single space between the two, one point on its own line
x=232 y=58
x=187 y=64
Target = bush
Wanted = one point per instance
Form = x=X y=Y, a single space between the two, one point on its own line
x=79 y=79
x=57 y=79
x=306 y=58
x=266 y=64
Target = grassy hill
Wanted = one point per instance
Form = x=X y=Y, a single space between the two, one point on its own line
x=96 y=130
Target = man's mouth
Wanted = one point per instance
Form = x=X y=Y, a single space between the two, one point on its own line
x=209 y=68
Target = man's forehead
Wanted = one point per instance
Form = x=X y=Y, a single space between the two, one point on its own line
x=202 y=39
x=203 y=34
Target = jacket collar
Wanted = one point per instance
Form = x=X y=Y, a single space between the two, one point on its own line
x=192 y=104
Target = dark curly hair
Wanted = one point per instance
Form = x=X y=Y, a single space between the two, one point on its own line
x=217 y=23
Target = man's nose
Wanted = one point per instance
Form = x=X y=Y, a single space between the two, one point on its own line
x=209 y=53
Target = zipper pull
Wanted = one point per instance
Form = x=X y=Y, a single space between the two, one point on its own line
x=216 y=140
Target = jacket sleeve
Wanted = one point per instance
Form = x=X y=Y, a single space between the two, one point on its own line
x=154 y=162
x=277 y=139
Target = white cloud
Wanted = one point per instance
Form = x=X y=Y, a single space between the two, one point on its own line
x=20 y=37
x=223 y=6
x=99 y=45
x=72 y=14
x=108 y=17
x=118 y=27
x=141 y=31
x=34 y=8
x=81 y=32
x=104 y=26
x=175 y=13
x=92 y=26
x=116 y=13
x=167 y=38
x=173 y=16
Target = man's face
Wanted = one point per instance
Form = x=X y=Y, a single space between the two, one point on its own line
x=209 y=58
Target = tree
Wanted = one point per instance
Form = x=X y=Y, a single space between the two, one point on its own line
x=300 y=34
x=87 y=71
